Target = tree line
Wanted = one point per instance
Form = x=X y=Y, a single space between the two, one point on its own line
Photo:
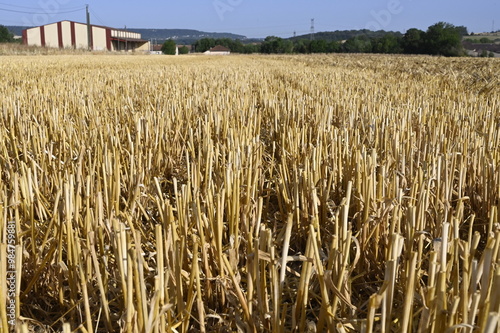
x=439 y=39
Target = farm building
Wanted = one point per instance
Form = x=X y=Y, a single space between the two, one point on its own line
x=218 y=50
x=69 y=34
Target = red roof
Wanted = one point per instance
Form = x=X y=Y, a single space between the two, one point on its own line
x=219 y=48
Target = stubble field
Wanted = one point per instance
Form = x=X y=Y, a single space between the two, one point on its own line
x=339 y=193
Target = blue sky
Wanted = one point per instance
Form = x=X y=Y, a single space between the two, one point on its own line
x=259 y=18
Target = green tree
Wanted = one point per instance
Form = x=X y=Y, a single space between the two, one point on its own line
x=236 y=46
x=286 y=47
x=204 y=44
x=462 y=30
x=358 y=44
x=169 y=47
x=334 y=47
x=387 y=44
x=319 y=46
x=183 y=50
x=269 y=45
x=443 y=39
x=413 y=41
x=273 y=44
x=302 y=46
x=250 y=48
x=5 y=35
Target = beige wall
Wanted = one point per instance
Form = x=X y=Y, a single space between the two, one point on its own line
x=81 y=36
x=99 y=38
x=51 y=36
x=34 y=37
x=66 y=28
x=146 y=47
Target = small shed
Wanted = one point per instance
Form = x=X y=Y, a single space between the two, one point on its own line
x=218 y=50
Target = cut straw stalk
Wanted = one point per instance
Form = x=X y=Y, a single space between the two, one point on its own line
x=220 y=154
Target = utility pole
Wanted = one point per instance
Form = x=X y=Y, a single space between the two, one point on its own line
x=126 y=41
x=312 y=30
x=89 y=30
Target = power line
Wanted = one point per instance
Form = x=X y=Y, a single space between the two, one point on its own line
x=6 y=4
x=97 y=16
x=34 y=8
x=41 y=13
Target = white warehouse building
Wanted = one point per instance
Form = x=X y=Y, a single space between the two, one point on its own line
x=69 y=34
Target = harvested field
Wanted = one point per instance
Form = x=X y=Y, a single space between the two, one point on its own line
x=342 y=193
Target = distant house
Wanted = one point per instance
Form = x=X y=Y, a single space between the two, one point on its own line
x=155 y=49
x=218 y=50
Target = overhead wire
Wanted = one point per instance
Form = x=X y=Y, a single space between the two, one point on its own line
x=41 y=13
x=97 y=16
x=34 y=8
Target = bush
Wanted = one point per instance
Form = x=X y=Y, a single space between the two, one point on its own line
x=485 y=40
x=169 y=47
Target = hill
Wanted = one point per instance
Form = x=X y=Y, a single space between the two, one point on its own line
x=183 y=36
x=340 y=35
